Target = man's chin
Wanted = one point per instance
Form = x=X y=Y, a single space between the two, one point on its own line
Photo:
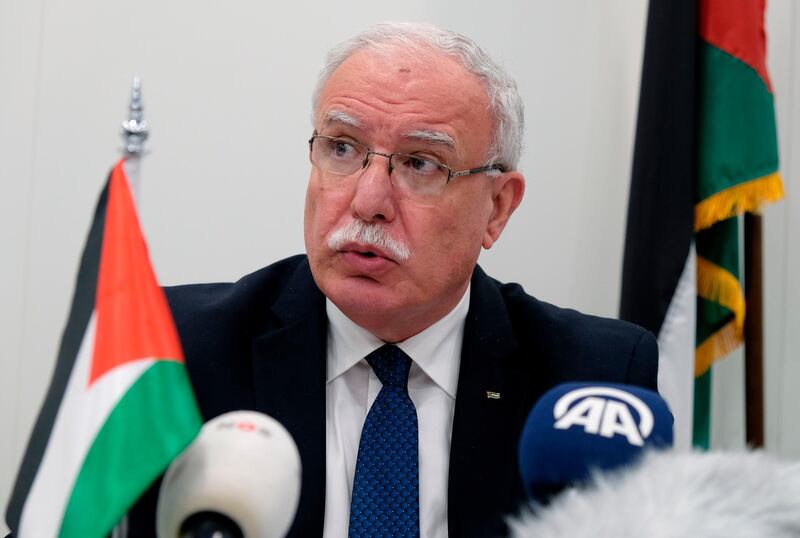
x=365 y=300
x=362 y=294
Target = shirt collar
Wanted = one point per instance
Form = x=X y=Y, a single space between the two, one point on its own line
x=436 y=350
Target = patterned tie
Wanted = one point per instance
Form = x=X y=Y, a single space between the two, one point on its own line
x=386 y=486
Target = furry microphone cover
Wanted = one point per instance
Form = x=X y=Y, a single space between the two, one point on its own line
x=671 y=494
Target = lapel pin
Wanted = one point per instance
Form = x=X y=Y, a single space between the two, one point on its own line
x=492 y=395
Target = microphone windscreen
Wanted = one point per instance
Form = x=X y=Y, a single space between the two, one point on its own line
x=244 y=466
x=672 y=494
x=577 y=427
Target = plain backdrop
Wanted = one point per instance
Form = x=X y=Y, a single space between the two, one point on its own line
x=227 y=90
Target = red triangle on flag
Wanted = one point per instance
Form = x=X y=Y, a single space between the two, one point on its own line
x=133 y=318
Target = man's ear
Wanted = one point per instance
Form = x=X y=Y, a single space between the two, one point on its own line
x=507 y=192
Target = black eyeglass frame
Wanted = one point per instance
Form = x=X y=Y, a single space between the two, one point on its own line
x=450 y=173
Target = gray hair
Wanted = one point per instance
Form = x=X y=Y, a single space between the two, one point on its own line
x=504 y=99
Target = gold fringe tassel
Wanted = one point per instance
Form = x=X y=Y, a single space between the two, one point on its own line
x=720 y=286
x=715 y=347
x=747 y=196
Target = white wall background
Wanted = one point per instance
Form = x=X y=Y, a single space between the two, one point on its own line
x=227 y=91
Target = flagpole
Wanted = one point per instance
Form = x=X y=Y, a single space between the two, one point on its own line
x=134 y=133
x=754 y=329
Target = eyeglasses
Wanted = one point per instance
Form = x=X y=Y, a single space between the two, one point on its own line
x=420 y=175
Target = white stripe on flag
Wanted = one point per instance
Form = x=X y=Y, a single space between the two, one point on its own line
x=80 y=416
x=676 y=343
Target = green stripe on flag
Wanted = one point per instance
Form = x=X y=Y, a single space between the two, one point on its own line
x=737 y=136
x=736 y=163
x=711 y=317
x=701 y=425
x=134 y=446
x=720 y=245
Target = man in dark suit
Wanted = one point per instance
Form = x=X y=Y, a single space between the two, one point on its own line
x=417 y=136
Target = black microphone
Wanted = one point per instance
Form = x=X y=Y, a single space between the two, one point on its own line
x=210 y=525
x=576 y=428
x=239 y=479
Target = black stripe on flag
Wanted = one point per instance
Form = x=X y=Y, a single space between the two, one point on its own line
x=661 y=204
x=83 y=303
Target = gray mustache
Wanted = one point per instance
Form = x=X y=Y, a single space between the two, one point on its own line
x=369 y=234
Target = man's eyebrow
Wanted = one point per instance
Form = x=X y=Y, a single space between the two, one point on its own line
x=432 y=137
x=338 y=116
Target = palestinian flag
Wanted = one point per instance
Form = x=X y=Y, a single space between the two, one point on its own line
x=706 y=151
x=120 y=406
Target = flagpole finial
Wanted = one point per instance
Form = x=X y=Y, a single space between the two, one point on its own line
x=135 y=129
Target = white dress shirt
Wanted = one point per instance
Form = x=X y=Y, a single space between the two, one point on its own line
x=351 y=388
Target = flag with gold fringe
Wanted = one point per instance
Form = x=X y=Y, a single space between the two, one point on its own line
x=737 y=171
x=706 y=152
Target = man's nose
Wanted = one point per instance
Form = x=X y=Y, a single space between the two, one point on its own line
x=373 y=199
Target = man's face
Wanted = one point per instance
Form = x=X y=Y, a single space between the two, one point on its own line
x=385 y=101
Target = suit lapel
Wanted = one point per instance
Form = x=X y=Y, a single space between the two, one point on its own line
x=483 y=471
x=289 y=371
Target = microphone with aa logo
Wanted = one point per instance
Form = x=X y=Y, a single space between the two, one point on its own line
x=239 y=479
x=577 y=428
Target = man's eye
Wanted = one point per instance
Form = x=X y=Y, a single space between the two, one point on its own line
x=421 y=166
x=342 y=150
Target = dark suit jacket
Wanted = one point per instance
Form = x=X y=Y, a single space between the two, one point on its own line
x=260 y=343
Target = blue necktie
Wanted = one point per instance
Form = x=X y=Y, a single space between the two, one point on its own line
x=385 y=498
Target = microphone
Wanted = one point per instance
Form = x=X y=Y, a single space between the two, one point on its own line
x=670 y=493
x=576 y=428
x=239 y=479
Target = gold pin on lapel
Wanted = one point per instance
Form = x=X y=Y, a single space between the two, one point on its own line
x=492 y=395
